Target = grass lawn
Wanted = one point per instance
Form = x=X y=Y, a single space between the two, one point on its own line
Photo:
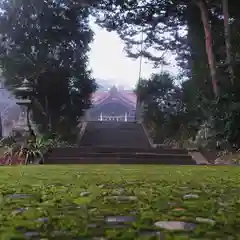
x=119 y=202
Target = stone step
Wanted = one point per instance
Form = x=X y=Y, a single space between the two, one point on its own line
x=116 y=134
x=165 y=159
x=116 y=143
x=199 y=158
x=68 y=151
x=120 y=155
x=108 y=156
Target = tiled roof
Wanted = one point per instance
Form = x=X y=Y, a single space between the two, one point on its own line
x=99 y=96
x=131 y=96
x=125 y=95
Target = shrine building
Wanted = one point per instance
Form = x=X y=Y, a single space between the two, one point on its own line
x=112 y=105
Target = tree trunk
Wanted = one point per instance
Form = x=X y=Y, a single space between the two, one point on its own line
x=208 y=44
x=227 y=39
x=30 y=129
x=49 y=125
x=198 y=61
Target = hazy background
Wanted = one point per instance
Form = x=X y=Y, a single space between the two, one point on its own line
x=109 y=62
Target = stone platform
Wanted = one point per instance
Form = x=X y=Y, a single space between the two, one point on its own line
x=117 y=143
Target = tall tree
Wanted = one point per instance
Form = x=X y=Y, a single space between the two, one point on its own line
x=208 y=42
x=162 y=23
x=200 y=49
x=47 y=43
x=163 y=105
x=228 y=39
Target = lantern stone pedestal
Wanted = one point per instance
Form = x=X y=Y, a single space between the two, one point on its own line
x=21 y=127
x=24 y=101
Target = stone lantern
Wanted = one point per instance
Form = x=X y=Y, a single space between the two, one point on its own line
x=23 y=94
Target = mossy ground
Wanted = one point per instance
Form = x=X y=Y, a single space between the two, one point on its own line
x=72 y=202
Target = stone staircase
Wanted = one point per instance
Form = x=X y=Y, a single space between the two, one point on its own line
x=115 y=134
x=116 y=143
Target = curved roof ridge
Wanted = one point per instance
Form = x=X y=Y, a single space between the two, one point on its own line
x=127 y=96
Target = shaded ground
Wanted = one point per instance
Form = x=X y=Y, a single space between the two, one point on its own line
x=119 y=202
x=2 y=151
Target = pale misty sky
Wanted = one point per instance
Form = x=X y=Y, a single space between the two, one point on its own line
x=109 y=62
